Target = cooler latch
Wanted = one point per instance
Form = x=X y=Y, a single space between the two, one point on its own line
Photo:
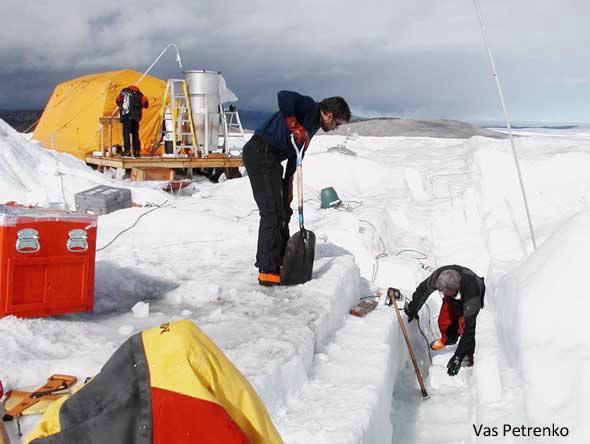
x=27 y=241
x=78 y=241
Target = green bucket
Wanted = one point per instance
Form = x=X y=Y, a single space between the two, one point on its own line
x=329 y=198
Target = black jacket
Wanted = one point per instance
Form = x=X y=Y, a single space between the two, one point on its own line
x=472 y=293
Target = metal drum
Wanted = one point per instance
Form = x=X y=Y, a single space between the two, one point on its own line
x=203 y=91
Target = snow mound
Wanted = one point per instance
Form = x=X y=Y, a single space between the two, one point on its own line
x=33 y=175
x=542 y=313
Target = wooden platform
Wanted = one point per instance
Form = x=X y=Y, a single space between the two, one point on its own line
x=213 y=161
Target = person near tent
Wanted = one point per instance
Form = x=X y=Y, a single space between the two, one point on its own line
x=131 y=103
x=463 y=296
x=301 y=117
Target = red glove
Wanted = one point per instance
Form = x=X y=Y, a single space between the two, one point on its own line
x=300 y=133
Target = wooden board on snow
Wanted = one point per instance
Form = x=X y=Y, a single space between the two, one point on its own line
x=363 y=308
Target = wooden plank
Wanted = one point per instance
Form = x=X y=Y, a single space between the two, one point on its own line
x=55 y=383
x=141 y=174
x=4 y=439
x=165 y=162
x=24 y=394
x=363 y=308
x=15 y=397
x=3 y=434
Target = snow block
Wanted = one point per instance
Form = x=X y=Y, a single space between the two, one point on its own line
x=527 y=321
x=439 y=380
x=141 y=309
x=348 y=396
x=275 y=348
x=487 y=377
x=415 y=185
x=487 y=368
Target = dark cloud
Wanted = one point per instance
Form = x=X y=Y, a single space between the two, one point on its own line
x=415 y=59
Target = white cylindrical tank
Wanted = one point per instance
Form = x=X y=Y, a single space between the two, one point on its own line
x=203 y=91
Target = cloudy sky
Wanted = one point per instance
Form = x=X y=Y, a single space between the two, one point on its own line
x=412 y=58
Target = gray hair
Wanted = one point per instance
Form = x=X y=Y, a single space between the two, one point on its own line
x=448 y=280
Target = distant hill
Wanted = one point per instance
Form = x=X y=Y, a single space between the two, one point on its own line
x=391 y=126
x=523 y=124
x=379 y=126
x=20 y=120
x=253 y=119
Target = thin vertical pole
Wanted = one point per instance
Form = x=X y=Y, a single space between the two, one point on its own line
x=507 y=118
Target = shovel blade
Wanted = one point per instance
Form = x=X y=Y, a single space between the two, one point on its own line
x=298 y=261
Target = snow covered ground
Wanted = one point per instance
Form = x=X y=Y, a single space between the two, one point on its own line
x=410 y=204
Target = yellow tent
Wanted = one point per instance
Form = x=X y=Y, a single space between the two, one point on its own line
x=71 y=120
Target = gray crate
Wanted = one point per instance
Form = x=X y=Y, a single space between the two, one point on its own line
x=102 y=199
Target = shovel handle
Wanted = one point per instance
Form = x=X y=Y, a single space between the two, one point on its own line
x=299 y=152
x=391 y=295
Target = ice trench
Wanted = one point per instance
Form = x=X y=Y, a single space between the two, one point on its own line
x=395 y=411
x=488 y=392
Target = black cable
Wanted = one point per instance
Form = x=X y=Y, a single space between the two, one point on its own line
x=425 y=340
x=61 y=179
x=378 y=296
x=247 y=215
x=376 y=266
x=403 y=250
x=429 y=318
x=157 y=207
x=422 y=331
x=344 y=206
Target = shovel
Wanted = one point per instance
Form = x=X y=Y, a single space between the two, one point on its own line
x=392 y=297
x=300 y=250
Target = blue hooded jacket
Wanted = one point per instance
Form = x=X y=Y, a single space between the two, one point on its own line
x=275 y=130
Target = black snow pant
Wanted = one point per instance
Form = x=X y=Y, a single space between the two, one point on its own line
x=263 y=164
x=131 y=130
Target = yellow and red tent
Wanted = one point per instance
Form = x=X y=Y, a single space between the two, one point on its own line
x=166 y=385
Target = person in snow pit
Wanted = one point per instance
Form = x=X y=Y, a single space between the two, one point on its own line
x=301 y=117
x=131 y=102
x=463 y=296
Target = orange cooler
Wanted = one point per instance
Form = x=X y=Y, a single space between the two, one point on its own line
x=46 y=260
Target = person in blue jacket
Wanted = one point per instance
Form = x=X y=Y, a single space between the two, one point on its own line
x=302 y=117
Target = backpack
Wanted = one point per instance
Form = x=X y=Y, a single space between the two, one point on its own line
x=131 y=106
